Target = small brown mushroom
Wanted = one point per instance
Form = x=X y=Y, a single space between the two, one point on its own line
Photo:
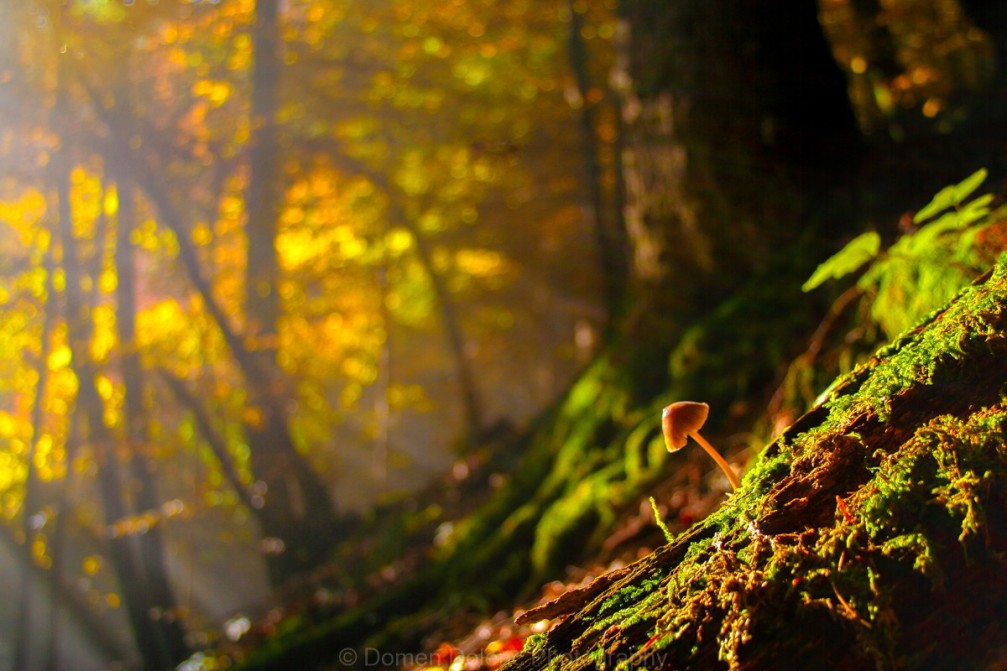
x=683 y=420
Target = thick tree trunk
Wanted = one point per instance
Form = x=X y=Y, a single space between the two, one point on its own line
x=871 y=534
x=730 y=115
x=734 y=117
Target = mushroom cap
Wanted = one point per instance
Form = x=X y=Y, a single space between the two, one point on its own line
x=679 y=420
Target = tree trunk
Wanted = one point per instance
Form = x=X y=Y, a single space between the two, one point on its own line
x=100 y=439
x=872 y=533
x=298 y=515
x=262 y=274
x=293 y=488
x=468 y=388
x=734 y=117
x=611 y=241
x=150 y=544
x=22 y=634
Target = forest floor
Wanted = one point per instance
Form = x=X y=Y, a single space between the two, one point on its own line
x=398 y=541
x=471 y=642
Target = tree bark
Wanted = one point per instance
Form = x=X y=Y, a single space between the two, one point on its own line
x=262 y=299
x=22 y=633
x=299 y=511
x=870 y=534
x=612 y=249
x=735 y=116
x=100 y=439
x=150 y=544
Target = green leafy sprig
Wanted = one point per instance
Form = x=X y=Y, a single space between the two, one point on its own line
x=923 y=269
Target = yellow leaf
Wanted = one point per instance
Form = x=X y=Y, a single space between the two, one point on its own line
x=399 y=240
x=111 y=203
x=59 y=280
x=92 y=564
x=108 y=281
x=104 y=338
x=8 y=425
x=104 y=386
x=252 y=416
x=38 y=549
x=202 y=235
x=480 y=262
x=59 y=358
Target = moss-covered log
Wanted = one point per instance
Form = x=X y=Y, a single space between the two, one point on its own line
x=871 y=534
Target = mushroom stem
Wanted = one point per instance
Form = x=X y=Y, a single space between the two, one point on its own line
x=724 y=466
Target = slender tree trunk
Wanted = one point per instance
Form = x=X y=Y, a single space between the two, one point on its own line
x=57 y=597
x=100 y=439
x=151 y=544
x=211 y=436
x=23 y=635
x=89 y=411
x=452 y=323
x=299 y=511
x=382 y=391
x=297 y=516
x=262 y=302
x=468 y=388
x=609 y=235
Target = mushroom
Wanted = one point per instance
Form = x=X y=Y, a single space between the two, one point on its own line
x=683 y=420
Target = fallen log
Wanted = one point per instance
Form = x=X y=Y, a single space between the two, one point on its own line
x=870 y=534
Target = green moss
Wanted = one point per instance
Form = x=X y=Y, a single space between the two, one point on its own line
x=630 y=594
x=534 y=642
x=970 y=457
x=919 y=549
